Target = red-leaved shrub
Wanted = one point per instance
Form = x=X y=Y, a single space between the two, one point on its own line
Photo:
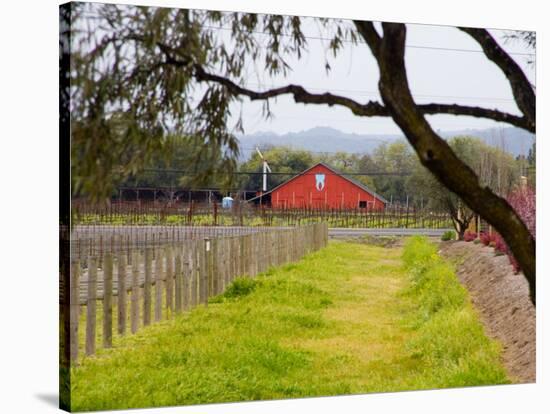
x=524 y=202
x=500 y=245
x=469 y=236
x=484 y=238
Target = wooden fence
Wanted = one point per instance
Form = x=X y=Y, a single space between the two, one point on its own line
x=126 y=289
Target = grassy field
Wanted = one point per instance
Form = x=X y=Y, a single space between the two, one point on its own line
x=351 y=318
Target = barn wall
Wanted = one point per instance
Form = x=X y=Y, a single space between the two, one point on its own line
x=338 y=192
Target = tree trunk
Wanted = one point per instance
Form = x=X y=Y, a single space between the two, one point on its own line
x=435 y=154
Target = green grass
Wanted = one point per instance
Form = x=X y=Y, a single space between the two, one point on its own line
x=352 y=318
x=448 y=331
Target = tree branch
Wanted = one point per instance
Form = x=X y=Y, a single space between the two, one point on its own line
x=434 y=152
x=369 y=109
x=521 y=87
x=300 y=95
x=436 y=155
x=478 y=112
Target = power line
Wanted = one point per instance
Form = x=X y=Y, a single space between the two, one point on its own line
x=376 y=94
x=464 y=50
x=413 y=46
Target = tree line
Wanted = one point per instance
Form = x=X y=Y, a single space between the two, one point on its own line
x=391 y=170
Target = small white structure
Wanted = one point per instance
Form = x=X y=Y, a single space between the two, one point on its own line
x=227 y=202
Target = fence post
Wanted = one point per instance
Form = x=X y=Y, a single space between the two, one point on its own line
x=134 y=316
x=214 y=267
x=273 y=253
x=226 y=256
x=277 y=247
x=108 y=301
x=147 y=284
x=91 y=306
x=288 y=245
x=260 y=250
x=249 y=255
x=178 y=280
x=256 y=245
x=121 y=291
x=199 y=264
x=192 y=264
x=186 y=286
x=158 y=283
x=232 y=258
x=220 y=245
x=237 y=257
x=241 y=255
x=74 y=312
x=207 y=269
x=169 y=280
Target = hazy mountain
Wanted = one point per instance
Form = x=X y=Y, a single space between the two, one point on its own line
x=325 y=139
x=319 y=139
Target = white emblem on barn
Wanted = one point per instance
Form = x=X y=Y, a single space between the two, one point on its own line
x=319 y=181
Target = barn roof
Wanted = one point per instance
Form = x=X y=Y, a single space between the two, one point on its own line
x=340 y=173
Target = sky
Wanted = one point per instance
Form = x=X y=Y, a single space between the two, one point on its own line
x=444 y=65
x=462 y=75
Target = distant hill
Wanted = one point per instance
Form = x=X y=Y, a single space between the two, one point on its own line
x=319 y=139
x=326 y=139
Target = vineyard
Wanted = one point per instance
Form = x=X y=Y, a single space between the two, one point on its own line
x=194 y=214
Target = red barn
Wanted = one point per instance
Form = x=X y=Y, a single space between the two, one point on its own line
x=321 y=186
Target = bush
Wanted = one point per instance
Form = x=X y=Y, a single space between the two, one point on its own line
x=469 y=236
x=448 y=235
x=485 y=238
x=500 y=245
x=524 y=203
x=242 y=286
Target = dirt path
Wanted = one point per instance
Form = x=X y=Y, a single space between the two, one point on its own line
x=366 y=315
x=502 y=299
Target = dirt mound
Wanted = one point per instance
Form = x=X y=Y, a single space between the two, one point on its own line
x=502 y=299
